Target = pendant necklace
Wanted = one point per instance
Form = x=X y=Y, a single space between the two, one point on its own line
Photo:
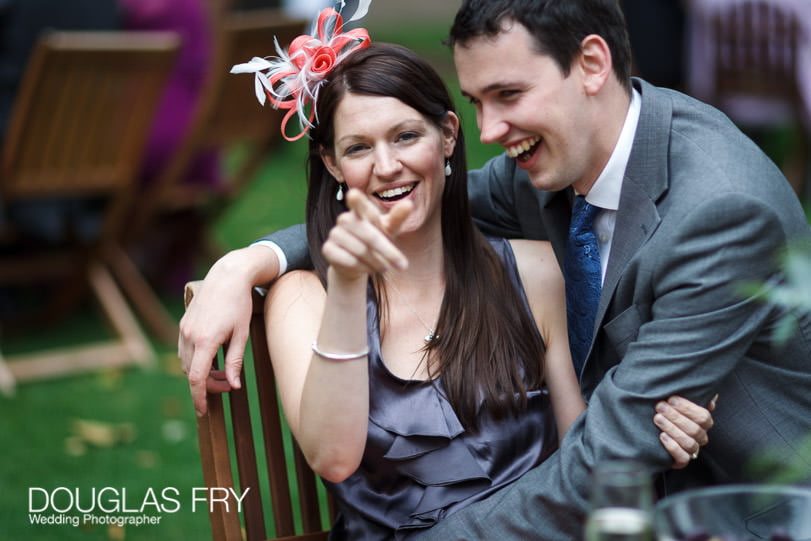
x=431 y=336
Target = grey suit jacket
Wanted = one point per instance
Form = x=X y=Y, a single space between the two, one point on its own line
x=702 y=210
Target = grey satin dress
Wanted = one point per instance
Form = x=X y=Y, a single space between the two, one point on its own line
x=420 y=465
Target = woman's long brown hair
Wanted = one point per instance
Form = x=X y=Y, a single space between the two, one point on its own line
x=489 y=348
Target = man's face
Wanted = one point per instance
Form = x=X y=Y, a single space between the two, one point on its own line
x=525 y=104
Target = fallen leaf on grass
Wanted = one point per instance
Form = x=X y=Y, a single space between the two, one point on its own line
x=102 y=434
x=172 y=407
x=75 y=446
x=116 y=532
x=147 y=459
x=172 y=365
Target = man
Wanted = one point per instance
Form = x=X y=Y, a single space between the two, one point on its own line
x=689 y=210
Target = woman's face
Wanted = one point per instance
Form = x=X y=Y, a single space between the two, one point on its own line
x=392 y=152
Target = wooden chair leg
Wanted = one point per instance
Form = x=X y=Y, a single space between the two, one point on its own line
x=7 y=381
x=212 y=435
x=146 y=302
x=119 y=314
x=131 y=345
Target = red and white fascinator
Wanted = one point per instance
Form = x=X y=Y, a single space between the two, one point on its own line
x=292 y=79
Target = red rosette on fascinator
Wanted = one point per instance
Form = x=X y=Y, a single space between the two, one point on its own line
x=292 y=79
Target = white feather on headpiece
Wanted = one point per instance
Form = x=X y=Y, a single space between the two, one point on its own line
x=293 y=79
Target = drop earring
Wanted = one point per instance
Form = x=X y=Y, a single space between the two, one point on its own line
x=448 y=169
x=339 y=195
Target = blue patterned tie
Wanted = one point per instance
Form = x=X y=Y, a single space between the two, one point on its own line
x=581 y=268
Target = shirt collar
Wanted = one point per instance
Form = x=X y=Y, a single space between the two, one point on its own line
x=605 y=193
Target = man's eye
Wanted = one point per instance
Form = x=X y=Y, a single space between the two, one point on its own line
x=509 y=94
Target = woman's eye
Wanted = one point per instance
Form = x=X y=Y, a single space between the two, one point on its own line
x=354 y=149
x=408 y=136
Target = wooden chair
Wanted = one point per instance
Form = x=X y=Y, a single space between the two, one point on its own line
x=77 y=130
x=752 y=60
x=216 y=456
x=228 y=118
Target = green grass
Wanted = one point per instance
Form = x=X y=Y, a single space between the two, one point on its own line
x=159 y=450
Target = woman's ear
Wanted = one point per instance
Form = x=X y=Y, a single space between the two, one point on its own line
x=450 y=131
x=595 y=63
x=331 y=164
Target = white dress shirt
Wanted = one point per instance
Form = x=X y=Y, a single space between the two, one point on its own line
x=605 y=193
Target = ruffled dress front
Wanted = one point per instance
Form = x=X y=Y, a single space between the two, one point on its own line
x=420 y=465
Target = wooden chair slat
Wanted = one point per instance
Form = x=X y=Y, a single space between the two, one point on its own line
x=216 y=455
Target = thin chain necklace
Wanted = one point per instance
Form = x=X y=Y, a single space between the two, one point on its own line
x=431 y=336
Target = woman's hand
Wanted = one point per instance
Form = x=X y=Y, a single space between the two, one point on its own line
x=361 y=242
x=684 y=428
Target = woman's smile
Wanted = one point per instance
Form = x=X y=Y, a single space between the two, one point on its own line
x=391 y=195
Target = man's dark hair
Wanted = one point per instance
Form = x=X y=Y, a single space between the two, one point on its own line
x=558 y=27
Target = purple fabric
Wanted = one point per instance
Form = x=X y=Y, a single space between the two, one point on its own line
x=703 y=45
x=190 y=19
x=420 y=464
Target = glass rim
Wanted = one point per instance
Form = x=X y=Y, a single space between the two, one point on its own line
x=740 y=488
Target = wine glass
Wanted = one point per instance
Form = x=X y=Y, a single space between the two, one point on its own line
x=736 y=512
x=621 y=503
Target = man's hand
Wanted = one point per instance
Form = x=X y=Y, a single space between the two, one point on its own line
x=220 y=313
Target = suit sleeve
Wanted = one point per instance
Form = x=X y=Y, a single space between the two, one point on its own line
x=293 y=242
x=492 y=192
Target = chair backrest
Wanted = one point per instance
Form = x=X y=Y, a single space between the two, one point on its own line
x=82 y=114
x=750 y=57
x=77 y=130
x=235 y=115
x=227 y=115
x=757 y=51
x=301 y=498
x=752 y=60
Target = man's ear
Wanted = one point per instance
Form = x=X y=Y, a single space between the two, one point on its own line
x=450 y=132
x=330 y=163
x=594 y=63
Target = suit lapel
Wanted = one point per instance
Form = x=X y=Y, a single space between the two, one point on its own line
x=645 y=180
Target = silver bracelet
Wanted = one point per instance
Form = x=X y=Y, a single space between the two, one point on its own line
x=339 y=356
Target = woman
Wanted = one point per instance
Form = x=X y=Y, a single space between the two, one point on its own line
x=419 y=365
